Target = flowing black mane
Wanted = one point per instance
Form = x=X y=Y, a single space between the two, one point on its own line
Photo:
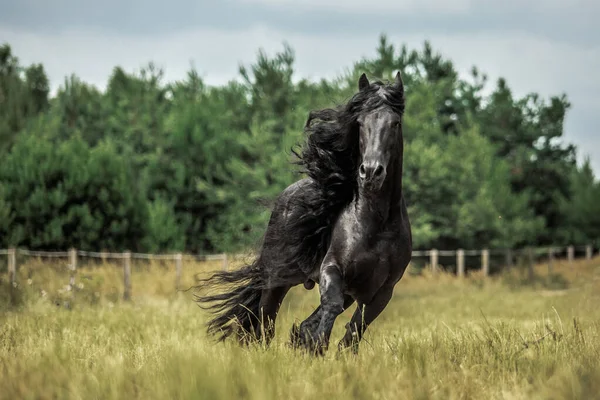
x=330 y=156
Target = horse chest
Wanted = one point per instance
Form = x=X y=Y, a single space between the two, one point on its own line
x=365 y=272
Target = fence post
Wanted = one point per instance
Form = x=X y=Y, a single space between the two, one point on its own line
x=550 y=260
x=433 y=256
x=225 y=262
x=530 y=264
x=508 y=258
x=570 y=254
x=127 y=276
x=588 y=252
x=12 y=265
x=460 y=262
x=72 y=267
x=178 y=262
x=485 y=262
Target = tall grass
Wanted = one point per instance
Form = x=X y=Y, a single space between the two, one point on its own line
x=439 y=338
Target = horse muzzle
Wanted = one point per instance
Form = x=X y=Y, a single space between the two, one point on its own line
x=371 y=175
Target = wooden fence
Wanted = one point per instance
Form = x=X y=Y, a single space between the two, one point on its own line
x=508 y=255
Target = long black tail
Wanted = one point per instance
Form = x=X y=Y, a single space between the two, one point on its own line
x=237 y=307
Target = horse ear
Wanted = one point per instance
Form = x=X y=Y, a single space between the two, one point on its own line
x=363 y=82
x=399 y=84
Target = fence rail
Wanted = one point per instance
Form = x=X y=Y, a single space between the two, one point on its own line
x=433 y=254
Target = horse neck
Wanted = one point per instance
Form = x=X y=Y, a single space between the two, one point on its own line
x=385 y=204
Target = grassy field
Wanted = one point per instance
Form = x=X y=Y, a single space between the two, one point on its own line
x=440 y=338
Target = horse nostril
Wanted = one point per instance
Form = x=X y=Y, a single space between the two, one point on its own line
x=378 y=170
x=362 y=171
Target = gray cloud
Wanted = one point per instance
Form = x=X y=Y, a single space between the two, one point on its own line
x=572 y=22
x=543 y=46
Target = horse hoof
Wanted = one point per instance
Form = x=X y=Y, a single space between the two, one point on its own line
x=300 y=339
x=351 y=348
x=317 y=348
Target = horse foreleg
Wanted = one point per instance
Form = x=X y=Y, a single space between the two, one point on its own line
x=332 y=305
x=307 y=329
x=299 y=335
x=364 y=315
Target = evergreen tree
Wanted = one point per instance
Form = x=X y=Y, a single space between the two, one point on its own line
x=154 y=166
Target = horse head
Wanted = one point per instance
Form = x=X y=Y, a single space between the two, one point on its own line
x=379 y=122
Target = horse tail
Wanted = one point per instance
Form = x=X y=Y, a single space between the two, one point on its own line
x=237 y=308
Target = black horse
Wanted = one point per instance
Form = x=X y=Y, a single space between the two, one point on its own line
x=344 y=227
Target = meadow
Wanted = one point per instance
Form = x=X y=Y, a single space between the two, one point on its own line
x=441 y=337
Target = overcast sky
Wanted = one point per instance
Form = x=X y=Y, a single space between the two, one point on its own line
x=544 y=46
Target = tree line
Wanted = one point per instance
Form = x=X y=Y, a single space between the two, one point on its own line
x=149 y=165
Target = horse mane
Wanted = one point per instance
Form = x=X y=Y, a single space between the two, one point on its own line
x=330 y=157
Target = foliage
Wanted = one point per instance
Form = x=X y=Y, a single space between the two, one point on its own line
x=70 y=195
x=581 y=215
x=463 y=195
x=158 y=166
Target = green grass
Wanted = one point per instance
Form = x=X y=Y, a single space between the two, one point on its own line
x=439 y=338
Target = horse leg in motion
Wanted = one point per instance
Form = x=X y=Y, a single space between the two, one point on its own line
x=363 y=316
x=270 y=301
x=314 y=332
x=301 y=335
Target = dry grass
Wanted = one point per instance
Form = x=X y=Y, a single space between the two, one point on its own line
x=440 y=338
